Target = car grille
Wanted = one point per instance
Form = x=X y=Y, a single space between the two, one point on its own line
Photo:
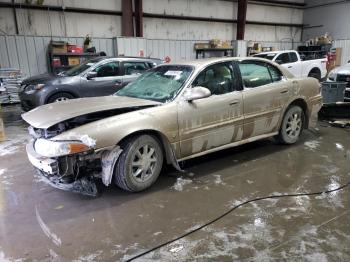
x=344 y=78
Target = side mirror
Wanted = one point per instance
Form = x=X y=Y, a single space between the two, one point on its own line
x=91 y=75
x=197 y=92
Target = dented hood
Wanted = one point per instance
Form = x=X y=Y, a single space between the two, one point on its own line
x=51 y=114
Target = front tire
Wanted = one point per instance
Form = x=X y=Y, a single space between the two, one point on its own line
x=292 y=125
x=59 y=97
x=140 y=163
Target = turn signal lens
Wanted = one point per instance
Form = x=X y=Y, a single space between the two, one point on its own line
x=76 y=148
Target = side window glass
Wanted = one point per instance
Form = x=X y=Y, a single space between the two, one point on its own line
x=109 y=69
x=217 y=78
x=275 y=73
x=283 y=59
x=293 y=57
x=254 y=74
x=134 y=68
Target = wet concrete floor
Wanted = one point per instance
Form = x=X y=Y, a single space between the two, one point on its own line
x=40 y=223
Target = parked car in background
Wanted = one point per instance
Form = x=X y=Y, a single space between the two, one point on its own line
x=96 y=77
x=171 y=113
x=342 y=74
x=297 y=64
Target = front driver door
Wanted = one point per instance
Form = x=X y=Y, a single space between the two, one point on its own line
x=107 y=81
x=211 y=122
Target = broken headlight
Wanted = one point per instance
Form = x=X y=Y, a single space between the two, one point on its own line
x=50 y=148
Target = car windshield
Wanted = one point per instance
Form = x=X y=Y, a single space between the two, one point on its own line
x=159 y=84
x=269 y=56
x=74 y=71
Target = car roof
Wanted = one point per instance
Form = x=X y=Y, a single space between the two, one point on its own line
x=133 y=58
x=275 y=52
x=201 y=63
x=207 y=61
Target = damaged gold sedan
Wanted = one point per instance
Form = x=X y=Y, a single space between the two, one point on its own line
x=171 y=113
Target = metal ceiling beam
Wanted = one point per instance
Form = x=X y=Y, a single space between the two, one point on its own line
x=60 y=9
x=219 y=20
x=241 y=19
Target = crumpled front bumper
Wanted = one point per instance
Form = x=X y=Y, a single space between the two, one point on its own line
x=48 y=169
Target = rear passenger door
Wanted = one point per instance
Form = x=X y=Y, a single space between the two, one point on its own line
x=132 y=70
x=108 y=80
x=265 y=93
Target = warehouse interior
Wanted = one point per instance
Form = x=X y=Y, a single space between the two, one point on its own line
x=115 y=146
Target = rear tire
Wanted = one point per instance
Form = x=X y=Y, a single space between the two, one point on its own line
x=292 y=125
x=59 y=97
x=140 y=163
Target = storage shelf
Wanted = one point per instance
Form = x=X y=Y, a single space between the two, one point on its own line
x=75 y=54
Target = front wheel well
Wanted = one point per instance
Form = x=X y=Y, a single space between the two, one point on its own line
x=60 y=92
x=164 y=143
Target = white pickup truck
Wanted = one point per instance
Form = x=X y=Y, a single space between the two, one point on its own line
x=296 y=64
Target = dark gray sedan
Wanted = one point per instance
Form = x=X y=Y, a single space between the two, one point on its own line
x=96 y=77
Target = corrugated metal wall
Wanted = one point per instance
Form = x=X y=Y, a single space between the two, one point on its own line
x=175 y=49
x=29 y=53
x=345 y=45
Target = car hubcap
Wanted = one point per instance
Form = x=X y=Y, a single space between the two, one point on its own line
x=293 y=125
x=61 y=99
x=143 y=163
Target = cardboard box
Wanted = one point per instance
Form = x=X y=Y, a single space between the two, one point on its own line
x=59 y=47
x=214 y=43
x=338 y=52
x=72 y=61
x=201 y=45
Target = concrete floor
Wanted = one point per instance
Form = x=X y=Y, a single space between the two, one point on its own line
x=38 y=222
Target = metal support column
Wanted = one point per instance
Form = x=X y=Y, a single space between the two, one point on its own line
x=15 y=17
x=241 y=18
x=127 y=18
x=138 y=18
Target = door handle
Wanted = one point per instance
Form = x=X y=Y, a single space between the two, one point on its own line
x=117 y=82
x=234 y=102
x=290 y=66
x=284 y=91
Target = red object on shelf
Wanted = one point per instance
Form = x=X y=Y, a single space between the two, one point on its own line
x=167 y=59
x=75 y=49
x=56 y=62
